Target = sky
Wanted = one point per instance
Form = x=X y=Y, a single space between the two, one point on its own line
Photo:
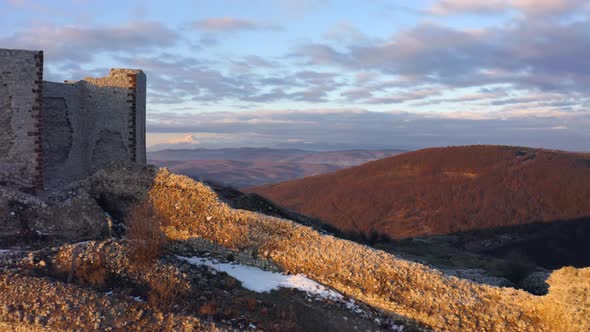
x=330 y=74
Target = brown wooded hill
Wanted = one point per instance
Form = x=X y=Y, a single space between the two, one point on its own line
x=444 y=190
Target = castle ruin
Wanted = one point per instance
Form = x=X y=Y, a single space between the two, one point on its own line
x=54 y=133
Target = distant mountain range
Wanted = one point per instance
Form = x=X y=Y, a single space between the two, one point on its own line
x=444 y=190
x=246 y=167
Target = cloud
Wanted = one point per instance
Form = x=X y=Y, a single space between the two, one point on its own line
x=345 y=32
x=251 y=63
x=81 y=44
x=334 y=128
x=357 y=94
x=449 y=7
x=404 y=96
x=230 y=24
x=528 y=7
x=174 y=79
x=480 y=96
x=321 y=54
x=522 y=54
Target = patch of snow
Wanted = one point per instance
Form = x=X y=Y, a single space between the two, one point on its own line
x=260 y=281
x=4 y=251
x=351 y=305
x=137 y=298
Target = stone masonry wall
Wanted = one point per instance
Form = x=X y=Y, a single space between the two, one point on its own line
x=21 y=75
x=140 y=110
x=91 y=122
x=54 y=133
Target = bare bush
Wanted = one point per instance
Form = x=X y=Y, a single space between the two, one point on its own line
x=166 y=288
x=89 y=268
x=146 y=243
x=146 y=240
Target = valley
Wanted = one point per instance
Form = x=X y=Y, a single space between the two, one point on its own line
x=247 y=167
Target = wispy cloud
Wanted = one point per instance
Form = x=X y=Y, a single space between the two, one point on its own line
x=82 y=44
x=528 y=7
x=231 y=24
x=522 y=54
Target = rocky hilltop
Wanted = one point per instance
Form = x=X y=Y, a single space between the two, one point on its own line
x=142 y=277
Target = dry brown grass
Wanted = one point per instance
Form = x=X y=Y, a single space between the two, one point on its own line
x=90 y=269
x=108 y=264
x=165 y=289
x=94 y=273
x=42 y=304
x=146 y=240
x=375 y=277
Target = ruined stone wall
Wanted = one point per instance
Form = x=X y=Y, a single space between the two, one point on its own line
x=54 y=133
x=91 y=122
x=140 y=110
x=21 y=76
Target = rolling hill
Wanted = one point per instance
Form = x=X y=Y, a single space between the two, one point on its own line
x=444 y=190
x=245 y=167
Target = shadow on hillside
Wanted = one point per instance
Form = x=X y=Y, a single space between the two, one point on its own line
x=254 y=202
x=512 y=252
x=550 y=245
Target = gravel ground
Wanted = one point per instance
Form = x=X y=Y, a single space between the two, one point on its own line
x=37 y=297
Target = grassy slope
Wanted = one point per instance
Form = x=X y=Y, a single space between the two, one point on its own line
x=193 y=210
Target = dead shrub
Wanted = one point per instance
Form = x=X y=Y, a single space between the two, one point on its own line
x=146 y=240
x=88 y=269
x=165 y=289
x=146 y=243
